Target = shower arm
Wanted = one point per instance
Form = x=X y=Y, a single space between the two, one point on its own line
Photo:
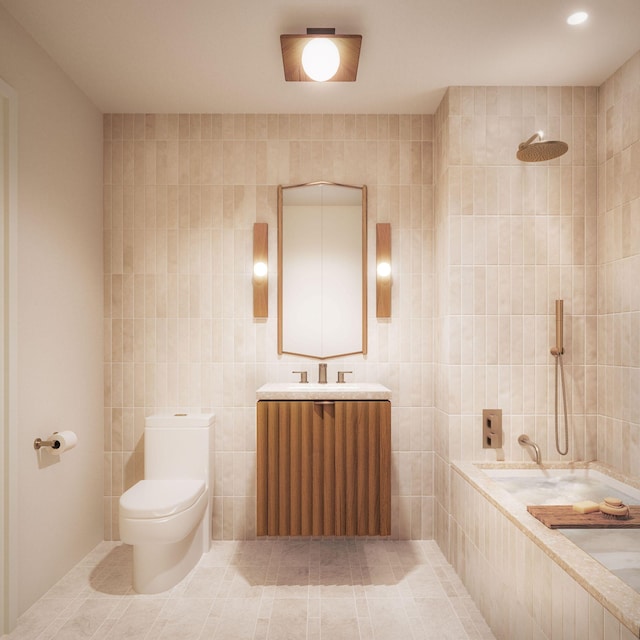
x=526 y=143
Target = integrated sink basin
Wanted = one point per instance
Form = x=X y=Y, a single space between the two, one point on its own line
x=328 y=391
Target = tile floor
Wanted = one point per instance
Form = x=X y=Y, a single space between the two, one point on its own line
x=269 y=590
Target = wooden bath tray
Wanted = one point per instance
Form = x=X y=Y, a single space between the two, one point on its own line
x=564 y=517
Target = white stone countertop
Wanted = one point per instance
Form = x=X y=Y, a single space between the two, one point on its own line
x=328 y=391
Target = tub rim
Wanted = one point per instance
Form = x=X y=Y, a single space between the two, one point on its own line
x=620 y=599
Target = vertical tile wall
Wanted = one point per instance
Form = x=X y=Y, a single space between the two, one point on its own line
x=511 y=237
x=619 y=268
x=181 y=194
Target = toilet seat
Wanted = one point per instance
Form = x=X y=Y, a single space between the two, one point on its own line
x=160 y=498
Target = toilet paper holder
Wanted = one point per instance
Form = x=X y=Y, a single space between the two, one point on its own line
x=52 y=442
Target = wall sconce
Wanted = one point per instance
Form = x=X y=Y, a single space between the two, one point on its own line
x=383 y=270
x=260 y=270
x=320 y=56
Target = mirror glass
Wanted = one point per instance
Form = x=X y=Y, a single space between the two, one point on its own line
x=322 y=277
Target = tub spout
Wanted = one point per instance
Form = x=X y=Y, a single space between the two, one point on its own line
x=525 y=441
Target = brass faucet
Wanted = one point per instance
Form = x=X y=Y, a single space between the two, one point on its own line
x=322 y=373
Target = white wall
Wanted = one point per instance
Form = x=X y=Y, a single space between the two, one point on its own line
x=60 y=335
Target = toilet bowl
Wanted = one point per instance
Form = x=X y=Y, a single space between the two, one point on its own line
x=166 y=516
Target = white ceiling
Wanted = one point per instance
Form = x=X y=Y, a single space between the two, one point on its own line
x=223 y=56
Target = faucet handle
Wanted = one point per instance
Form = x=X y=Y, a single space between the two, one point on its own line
x=341 y=375
x=303 y=376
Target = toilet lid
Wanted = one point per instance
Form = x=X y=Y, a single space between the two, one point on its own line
x=158 y=498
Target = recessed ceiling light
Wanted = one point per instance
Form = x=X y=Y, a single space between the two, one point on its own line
x=577 y=18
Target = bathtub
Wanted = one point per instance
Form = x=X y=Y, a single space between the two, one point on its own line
x=617 y=549
x=530 y=581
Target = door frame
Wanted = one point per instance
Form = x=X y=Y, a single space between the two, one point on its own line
x=8 y=357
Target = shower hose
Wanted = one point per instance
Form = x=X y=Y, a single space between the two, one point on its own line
x=558 y=357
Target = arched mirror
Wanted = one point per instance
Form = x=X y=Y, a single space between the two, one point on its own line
x=322 y=275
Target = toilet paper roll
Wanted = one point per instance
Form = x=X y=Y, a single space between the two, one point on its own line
x=65 y=439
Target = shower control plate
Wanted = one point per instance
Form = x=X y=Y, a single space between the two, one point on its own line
x=492 y=428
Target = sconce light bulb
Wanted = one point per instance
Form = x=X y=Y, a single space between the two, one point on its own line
x=320 y=59
x=260 y=269
x=384 y=269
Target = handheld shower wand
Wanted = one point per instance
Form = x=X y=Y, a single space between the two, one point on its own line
x=557 y=352
x=559 y=348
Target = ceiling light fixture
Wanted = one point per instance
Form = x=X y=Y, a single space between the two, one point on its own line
x=577 y=18
x=320 y=56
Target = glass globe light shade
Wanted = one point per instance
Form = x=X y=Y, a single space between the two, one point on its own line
x=320 y=59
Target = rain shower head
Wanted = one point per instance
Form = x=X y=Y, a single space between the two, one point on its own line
x=530 y=151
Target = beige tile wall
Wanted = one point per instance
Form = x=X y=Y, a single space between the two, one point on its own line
x=510 y=239
x=181 y=193
x=619 y=268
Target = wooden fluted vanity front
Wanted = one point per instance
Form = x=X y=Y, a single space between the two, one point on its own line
x=323 y=468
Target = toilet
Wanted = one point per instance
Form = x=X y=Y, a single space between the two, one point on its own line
x=166 y=516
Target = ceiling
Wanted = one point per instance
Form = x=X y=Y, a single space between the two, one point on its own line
x=223 y=56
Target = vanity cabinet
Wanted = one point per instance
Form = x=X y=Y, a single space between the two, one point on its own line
x=323 y=468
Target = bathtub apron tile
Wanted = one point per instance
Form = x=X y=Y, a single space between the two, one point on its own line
x=582 y=612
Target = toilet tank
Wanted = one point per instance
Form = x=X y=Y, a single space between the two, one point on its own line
x=177 y=446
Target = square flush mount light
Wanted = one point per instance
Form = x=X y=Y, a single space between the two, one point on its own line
x=320 y=56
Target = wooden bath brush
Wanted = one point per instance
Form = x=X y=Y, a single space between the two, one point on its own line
x=614 y=508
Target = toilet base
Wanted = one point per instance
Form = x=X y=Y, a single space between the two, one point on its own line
x=160 y=567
